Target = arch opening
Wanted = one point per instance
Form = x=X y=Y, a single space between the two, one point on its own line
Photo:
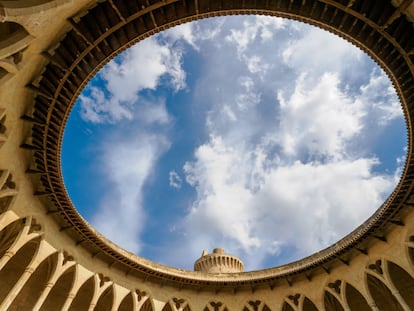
x=355 y=299
x=16 y=266
x=381 y=294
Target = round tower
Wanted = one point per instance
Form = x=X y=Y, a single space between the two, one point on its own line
x=218 y=262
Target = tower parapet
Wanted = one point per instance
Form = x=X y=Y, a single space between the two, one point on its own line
x=218 y=262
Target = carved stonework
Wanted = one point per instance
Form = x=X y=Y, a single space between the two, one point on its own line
x=215 y=306
x=140 y=294
x=256 y=305
x=14 y=39
x=178 y=302
x=294 y=299
x=7 y=190
x=377 y=267
x=336 y=286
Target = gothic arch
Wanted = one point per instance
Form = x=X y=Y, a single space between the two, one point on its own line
x=287 y=307
x=403 y=282
x=382 y=295
x=9 y=234
x=60 y=291
x=356 y=301
x=148 y=306
x=34 y=286
x=14 y=268
x=84 y=296
x=331 y=303
x=167 y=307
x=308 y=305
x=127 y=303
x=298 y=302
x=106 y=300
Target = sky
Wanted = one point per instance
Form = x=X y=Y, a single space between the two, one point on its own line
x=267 y=137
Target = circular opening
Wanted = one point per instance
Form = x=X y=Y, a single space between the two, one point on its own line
x=264 y=136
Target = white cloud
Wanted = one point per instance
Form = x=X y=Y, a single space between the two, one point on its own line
x=139 y=68
x=304 y=51
x=175 y=180
x=151 y=112
x=318 y=118
x=128 y=162
x=286 y=175
x=182 y=32
x=252 y=207
x=257 y=28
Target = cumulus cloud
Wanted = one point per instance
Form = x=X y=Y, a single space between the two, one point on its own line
x=318 y=119
x=256 y=208
x=280 y=170
x=140 y=67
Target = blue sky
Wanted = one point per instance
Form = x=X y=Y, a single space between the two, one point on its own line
x=264 y=136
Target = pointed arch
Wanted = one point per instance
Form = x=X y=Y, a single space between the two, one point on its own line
x=167 y=307
x=34 y=286
x=147 y=306
x=15 y=267
x=403 y=281
x=127 y=303
x=106 y=300
x=355 y=299
x=187 y=308
x=331 y=303
x=382 y=296
x=9 y=234
x=308 y=305
x=84 y=296
x=265 y=308
x=287 y=307
x=60 y=291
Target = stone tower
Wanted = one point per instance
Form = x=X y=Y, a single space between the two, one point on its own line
x=218 y=262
